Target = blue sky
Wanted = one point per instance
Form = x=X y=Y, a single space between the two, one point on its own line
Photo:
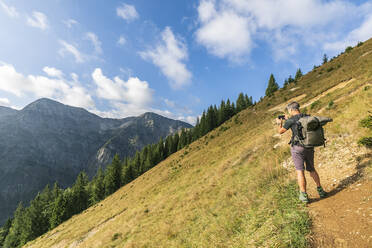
x=175 y=58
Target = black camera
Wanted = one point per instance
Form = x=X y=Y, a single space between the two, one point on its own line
x=281 y=117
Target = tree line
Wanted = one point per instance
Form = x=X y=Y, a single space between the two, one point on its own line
x=52 y=206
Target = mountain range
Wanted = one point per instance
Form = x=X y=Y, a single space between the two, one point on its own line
x=49 y=142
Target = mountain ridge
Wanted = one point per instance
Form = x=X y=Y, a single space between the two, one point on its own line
x=48 y=141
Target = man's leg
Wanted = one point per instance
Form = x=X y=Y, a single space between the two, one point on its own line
x=301 y=180
x=314 y=174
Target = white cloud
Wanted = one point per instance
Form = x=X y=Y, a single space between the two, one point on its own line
x=69 y=48
x=231 y=28
x=133 y=92
x=70 y=22
x=128 y=98
x=4 y=102
x=127 y=12
x=169 y=103
x=361 y=33
x=224 y=34
x=38 y=20
x=9 y=10
x=169 y=55
x=70 y=93
x=53 y=72
x=95 y=41
x=121 y=40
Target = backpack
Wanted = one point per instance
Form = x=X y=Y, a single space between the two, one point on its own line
x=310 y=131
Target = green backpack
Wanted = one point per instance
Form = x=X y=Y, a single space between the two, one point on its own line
x=310 y=131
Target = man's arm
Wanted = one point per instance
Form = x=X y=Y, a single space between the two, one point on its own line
x=281 y=129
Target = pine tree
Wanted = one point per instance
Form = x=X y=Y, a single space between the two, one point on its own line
x=80 y=196
x=128 y=174
x=13 y=239
x=59 y=213
x=56 y=191
x=272 y=86
x=136 y=164
x=113 y=175
x=175 y=141
x=290 y=79
x=325 y=59
x=168 y=145
x=35 y=221
x=221 y=113
x=241 y=103
x=248 y=101
x=98 y=187
x=4 y=231
x=229 y=111
x=203 y=125
x=298 y=75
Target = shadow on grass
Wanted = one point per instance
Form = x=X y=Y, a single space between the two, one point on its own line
x=351 y=179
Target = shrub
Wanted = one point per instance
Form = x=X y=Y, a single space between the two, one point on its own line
x=365 y=141
x=366 y=122
x=116 y=236
x=315 y=104
x=359 y=44
x=330 y=104
x=329 y=69
x=348 y=49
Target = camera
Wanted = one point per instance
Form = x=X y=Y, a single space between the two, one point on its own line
x=281 y=117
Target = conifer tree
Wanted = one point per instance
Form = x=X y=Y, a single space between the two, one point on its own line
x=272 y=86
x=160 y=154
x=228 y=110
x=298 y=75
x=98 y=187
x=221 y=113
x=136 y=164
x=203 y=125
x=35 y=221
x=5 y=231
x=128 y=174
x=290 y=79
x=241 y=102
x=325 y=59
x=13 y=239
x=175 y=141
x=113 y=175
x=59 y=212
x=79 y=194
x=233 y=108
x=168 y=145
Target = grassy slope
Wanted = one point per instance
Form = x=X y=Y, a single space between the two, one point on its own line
x=227 y=189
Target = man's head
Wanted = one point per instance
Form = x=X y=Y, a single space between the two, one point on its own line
x=293 y=108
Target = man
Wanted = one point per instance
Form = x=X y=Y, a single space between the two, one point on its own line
x=300 y=154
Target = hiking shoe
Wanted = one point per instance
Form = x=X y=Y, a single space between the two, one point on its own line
x=303 y=197
x=321 y=192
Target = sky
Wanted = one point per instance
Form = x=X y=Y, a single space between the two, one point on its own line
x=175 y=58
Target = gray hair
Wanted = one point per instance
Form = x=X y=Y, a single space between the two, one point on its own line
x=293 y=106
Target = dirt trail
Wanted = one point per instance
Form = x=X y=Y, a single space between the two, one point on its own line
x=344 y=218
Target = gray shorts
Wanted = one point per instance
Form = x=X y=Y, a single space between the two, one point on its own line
x=301 y=155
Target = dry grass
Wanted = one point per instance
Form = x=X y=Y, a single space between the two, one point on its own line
x=228 y=188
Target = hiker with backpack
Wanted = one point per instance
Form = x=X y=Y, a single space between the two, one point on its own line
x=307 y=132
